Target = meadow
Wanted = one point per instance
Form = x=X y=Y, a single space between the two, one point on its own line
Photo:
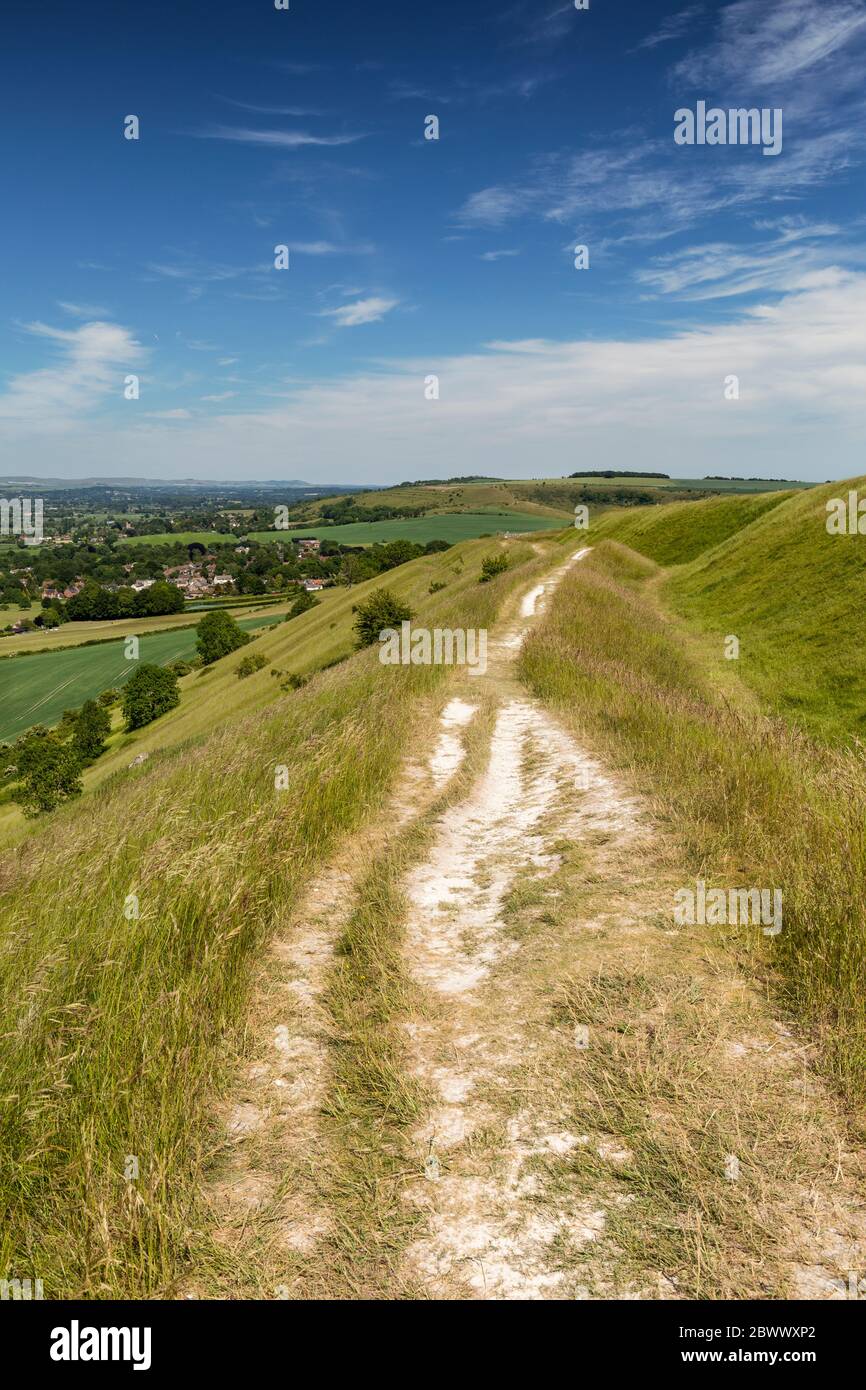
x=208 y=538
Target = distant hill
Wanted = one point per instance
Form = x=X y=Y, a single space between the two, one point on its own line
x=20 y=480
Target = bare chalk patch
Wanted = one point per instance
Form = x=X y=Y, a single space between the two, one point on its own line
x=449 y=751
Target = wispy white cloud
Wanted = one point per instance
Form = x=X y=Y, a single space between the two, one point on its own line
x=91 y=361
x=673 y=26
x=275 y=139
x=530 y=25
x=515 y=408
x=720 y=270
x=362 y=311
x=84 y=311
x=330 y=248
x=648 y=183
x=275 y=110
x=760 y=42
x=497 y=255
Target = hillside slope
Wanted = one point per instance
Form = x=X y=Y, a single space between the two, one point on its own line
x=681 y=531
x=317 y=639
x=129 y=926
x=793 y=595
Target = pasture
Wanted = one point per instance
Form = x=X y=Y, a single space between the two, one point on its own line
x=207 y=538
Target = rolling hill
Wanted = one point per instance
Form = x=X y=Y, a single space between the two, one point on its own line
x=793 y=595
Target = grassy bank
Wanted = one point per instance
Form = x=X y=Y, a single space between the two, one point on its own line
x=753 y=801
x=119 y=1028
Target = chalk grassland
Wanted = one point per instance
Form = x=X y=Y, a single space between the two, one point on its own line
x=771 y=576
x=794 y=594
x=300 y=647
x=551 y=496
x=679 y=532
x=754 y=802
x=450 y=526
x=37 y=689
x=118 y=1033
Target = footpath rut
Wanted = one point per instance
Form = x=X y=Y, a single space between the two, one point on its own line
x=612 y=1108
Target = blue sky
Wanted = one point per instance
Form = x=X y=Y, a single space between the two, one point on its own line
x=411 y=257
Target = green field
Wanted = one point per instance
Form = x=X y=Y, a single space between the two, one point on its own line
x=37 y=689
x=183 y=538
x=452 y=526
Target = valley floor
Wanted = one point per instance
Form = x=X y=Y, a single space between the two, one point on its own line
x=483 y=1062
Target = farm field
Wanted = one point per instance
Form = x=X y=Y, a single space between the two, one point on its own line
x=76 y=634
x=450 y=526
x=37 y=689
x=182 y=538
x=12 y=613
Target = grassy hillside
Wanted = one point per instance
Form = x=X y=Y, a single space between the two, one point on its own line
x=679 y=532
x=128 y=932
x=753 y=802
x=316 y=639
x=446 y=497
x=793 y=595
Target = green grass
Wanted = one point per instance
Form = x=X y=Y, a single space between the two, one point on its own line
x=793 y=595
x=106 y=629
x=119 y=1034
x=681 y=531
x=450 y=526
x=14 y=612
x=754 y=803
x=183 y=538
x=37 y=689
